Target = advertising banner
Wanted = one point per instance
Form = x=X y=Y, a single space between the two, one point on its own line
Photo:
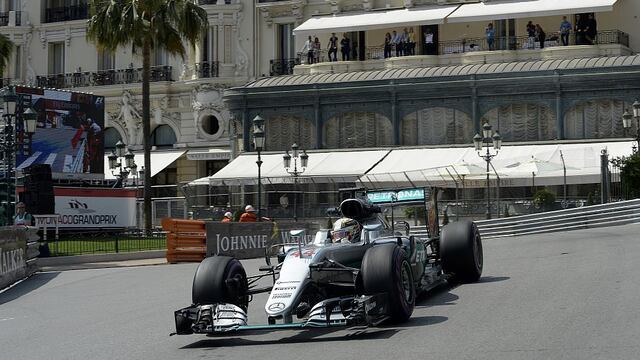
x=13 y=257
x=378 y=197
x=69 y=133
x=93 y=208
x=250 y=240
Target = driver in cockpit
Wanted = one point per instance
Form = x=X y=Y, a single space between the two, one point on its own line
x=346 y=230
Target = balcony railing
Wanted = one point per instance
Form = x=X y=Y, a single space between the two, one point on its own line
x=207 y=69
x=66 y=13
x=212 y=2
x=510 y=43
x=103 y=78
x=4 y=18
x=283 y=66
x=524 y=42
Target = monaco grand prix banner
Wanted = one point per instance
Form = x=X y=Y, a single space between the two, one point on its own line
x=81 y=208
x=69 y=134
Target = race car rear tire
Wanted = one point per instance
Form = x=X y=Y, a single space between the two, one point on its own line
x=220 y=279
x=386 y=269
x=461 y=251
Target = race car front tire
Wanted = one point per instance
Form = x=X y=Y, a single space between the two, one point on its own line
x=461 y=251
x=386 y=269
x=220 y=279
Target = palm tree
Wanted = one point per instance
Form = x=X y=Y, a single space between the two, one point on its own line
x=146 y=25
x=6 y=47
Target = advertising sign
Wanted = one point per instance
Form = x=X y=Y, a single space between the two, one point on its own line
x=405 y=195
x=69 y=133
x=93 y=208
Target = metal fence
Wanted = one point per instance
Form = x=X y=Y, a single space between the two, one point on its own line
x=96 y=242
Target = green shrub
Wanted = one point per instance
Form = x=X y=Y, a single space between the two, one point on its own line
x=544 y=199
x=630 y=175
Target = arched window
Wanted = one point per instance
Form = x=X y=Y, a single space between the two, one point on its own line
x=111 y=137
x=163 y=136
x=357 y=130
x=599 y=119
x=437 y=126
x=523 y=121
x=284 y=130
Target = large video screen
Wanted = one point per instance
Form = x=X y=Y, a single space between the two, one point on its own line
x=69 y=134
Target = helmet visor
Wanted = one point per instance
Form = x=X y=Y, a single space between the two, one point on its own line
x=338 y=235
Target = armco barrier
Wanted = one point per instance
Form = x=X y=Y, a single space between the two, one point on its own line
x=611 y=214
x=18 y=254
x=186 y=240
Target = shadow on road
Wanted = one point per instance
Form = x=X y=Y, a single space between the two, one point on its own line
x=491 y=279
x=27 y=286
x=302 y=337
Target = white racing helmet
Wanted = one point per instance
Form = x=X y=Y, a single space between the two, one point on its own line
x=346 y=230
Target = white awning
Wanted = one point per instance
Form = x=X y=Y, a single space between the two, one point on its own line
x=159 y=161
x=497 y=10
x=430 y=15
x=323 y=167
x=446 y=167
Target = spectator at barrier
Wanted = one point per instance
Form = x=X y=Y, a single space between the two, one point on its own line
x=249 y=214
x=228 y=217
x=491 y=36
x=565 y=30
x=345 y=47
x=591 y=30
x=308 y=49
x=333 y=47
x=540 y=35
x=387 y=45
x=531 y=35
x=316 y=50
x=22 y=217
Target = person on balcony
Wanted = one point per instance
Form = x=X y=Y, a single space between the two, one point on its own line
x=591 y=30
x=491 y=36
x=345 y=47
x=394 y=41
x=333 y=47
x=411 y=42
x=531 y=35
x=400 y=44
x=429 y=43
x=387 y=45
x=581 y=25
x=316 y=50
x=540 y=35
x=308 y=49
x=565 y=30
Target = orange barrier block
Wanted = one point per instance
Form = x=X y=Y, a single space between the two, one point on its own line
x=186 y=240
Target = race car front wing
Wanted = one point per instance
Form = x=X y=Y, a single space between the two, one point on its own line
x=368 y=310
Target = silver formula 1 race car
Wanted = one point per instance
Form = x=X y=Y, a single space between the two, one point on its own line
x=364 y=280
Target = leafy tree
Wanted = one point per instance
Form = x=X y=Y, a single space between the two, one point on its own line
x=630 y=175
x=146 y=25
x=6 y=48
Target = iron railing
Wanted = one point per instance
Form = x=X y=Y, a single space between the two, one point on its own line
x=96 y=242
x=104 y=77
x=283 y=66
x=4 y=18
x=66 y=13
x=207 y=69
x=524 y=42
x=212 y=2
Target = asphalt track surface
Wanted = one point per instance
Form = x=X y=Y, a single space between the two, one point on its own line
x=572 y=295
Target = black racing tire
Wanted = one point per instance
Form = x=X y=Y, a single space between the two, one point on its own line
x=461 y=251
x=220 y=279
x=386 y=269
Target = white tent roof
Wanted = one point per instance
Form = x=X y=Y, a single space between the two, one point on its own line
x=159 y=161
x=323 y=167
x=430 y=15
x=496 y=10
x=444 y=167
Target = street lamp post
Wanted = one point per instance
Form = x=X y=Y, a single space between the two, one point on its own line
x=119 y=168
x=258 y=144
x=295 y=172
x=18 y=128
x=486 y=139
x=626 y=123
